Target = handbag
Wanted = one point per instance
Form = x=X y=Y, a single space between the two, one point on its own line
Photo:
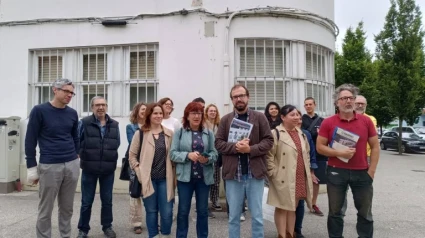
x=135 y=188
x=125 y=166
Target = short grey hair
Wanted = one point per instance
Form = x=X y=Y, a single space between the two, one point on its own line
x=345 y=87
x=95 y=98
x=361 y=96
x=59 y=83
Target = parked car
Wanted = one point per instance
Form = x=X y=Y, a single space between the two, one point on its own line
x=420 y=130
x=410 y=129
x=410 y=142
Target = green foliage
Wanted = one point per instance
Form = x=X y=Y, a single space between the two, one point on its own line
x=354 y=65
x=400 y=55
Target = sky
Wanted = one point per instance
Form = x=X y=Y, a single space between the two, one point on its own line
x=372 y=12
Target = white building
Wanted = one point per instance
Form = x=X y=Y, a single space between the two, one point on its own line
x=178 y=49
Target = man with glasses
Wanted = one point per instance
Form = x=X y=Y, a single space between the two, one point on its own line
x=356 y=173
x=360 y=108
x=244 y=162
x=99 y=142
x=54 y=126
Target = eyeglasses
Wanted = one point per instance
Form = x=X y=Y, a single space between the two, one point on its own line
x=241 y=96
x=66 y=91
x=168 y=104
x=352 y=98
x=195 y=113
x=360 y=104
x=101 y=105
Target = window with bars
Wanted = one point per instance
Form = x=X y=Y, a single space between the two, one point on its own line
x=315 y=62
x=94 y=67
x=124 y=75
x=318 y=73
x=49 y=68
x=261 y=67
x=143 y=86
x=320 y=91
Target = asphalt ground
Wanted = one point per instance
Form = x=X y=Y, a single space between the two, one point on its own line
x=398 y=209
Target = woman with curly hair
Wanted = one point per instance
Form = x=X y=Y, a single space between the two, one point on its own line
x=136 y=119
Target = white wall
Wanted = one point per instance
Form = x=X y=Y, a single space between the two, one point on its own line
x=189 y=64
x=18 y=10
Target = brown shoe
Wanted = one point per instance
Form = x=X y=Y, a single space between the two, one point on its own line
x=138 y=230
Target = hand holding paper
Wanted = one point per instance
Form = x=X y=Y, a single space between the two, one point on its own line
x=345 y=143
x=243 y=146
x=347 y=153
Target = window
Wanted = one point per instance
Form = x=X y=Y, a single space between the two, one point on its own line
x=261 y=67
x=142 y=93
x=91 y=91
x=318 y=71
x=142 y=68
x=94 y=67
x=48 y=68
x=320 y=92
x=315 y=63
x=124 y=75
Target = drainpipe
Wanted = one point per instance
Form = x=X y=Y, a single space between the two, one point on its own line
x=226 y=64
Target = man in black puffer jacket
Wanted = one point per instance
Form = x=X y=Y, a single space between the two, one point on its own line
x=99 y=142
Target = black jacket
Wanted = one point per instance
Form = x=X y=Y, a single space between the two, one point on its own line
x=307 y=121
x=99 y=155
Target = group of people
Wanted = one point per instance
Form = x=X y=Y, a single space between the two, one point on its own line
x=289 y=152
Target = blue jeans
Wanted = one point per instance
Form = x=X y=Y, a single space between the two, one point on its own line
x=158 y=202
x=236 y=191
x=299 y=216
x=361 y=185
x=185 y=191
x=88 y=190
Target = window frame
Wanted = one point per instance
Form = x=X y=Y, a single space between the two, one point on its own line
x=116 y=80
x=130 y=81
x=285 y=46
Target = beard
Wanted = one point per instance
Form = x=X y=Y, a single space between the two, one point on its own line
x=240 y=106
x=346 y=109
x=360 y=111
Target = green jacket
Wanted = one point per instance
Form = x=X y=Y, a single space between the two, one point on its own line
x=181 y=146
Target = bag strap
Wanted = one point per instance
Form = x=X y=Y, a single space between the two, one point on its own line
x=313 y=124
x=277 y=133
x=140 y=145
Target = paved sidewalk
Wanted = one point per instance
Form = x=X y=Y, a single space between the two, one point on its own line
x=399 y=209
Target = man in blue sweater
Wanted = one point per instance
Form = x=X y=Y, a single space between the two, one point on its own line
x=54 y=126
x=99 y=142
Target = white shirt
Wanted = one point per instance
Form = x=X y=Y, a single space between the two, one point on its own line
x=171 y=123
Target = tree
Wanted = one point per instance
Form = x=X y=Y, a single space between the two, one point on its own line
x=353 y=64
x=401 y=60
x=378 y=105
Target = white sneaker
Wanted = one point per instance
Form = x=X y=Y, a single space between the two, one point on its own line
x=243 y=217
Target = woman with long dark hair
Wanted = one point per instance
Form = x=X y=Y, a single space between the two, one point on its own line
x=272 y=112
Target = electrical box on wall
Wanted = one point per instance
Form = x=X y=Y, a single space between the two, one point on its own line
x=9 y=153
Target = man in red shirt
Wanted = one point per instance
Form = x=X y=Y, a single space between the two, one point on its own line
x=356 y=172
